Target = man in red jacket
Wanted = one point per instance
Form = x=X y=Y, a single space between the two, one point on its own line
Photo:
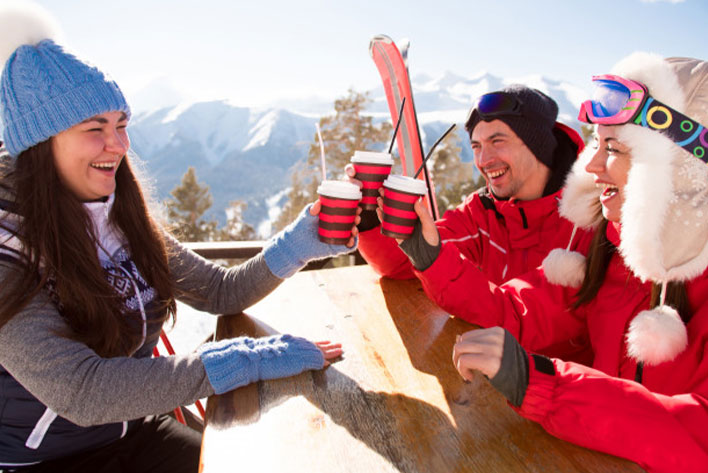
x=507 y=228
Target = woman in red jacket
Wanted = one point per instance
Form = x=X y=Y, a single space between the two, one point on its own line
x=642 y=300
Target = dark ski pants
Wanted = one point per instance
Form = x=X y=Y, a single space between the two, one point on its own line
x=159 y=445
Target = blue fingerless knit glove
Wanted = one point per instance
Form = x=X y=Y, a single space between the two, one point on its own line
x=236 y=362
x=290 y=250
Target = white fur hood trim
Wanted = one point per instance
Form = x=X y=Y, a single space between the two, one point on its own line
x=581 y=197
x=665 y=211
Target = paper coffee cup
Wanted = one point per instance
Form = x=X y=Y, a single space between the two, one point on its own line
x=339 y=202
x=400 y=195
x=371 y=169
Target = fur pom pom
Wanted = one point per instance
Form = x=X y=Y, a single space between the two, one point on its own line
x=656 y=336
x=24 y=22
x=564 y=267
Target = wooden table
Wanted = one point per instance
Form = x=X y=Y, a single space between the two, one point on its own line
x=394 y=403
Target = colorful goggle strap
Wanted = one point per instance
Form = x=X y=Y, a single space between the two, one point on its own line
x=682 y=130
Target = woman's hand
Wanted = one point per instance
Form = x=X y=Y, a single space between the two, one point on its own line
x=315 y=210
x=479 y=350
x=330 y=350
x=350 y=173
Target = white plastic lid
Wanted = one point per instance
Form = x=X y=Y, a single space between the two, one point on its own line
x=339 y=189
x=372 y=157
x=405 y=184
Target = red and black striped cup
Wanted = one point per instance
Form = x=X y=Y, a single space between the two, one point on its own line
x=400 y=195
x=339 y=202
x=371 y=169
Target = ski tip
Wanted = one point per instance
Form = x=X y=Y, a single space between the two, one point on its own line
x=379 y=38
x=382 y=37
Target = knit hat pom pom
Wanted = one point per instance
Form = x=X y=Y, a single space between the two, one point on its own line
x=23 y=22
x=656 y=336
x=564 y=267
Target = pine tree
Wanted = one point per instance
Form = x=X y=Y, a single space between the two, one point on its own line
x=187 y=206
x=346 y=131
x=454 y=179
x=236 y=229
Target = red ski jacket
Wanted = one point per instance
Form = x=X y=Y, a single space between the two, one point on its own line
x=660 y=423
x=503 y=239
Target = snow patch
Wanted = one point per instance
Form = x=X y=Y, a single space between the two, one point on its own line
x=274 y=206
x=261 y=132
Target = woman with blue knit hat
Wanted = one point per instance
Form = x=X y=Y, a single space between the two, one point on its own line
x=639 y=294
x=87 y=278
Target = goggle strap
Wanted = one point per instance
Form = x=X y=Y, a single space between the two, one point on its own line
x=682 y=130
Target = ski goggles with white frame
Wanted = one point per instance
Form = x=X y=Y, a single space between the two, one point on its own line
x=618 y=101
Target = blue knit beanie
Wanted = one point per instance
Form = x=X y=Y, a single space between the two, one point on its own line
x=46 y=90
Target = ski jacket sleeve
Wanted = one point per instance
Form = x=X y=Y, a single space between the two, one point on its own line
x=384 y=256
x=529 y=307
x=662 y=433
x=387 y=259
x=72 y=380
x=209 y=287
x=460 y=228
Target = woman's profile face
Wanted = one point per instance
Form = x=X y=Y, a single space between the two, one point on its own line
x=610 y=164
x=88 y=154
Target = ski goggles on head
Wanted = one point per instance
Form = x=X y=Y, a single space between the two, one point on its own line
x=497 y=104
x=618 y=101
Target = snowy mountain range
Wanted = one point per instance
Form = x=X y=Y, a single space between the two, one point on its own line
x=241 y=153
x=248 y=153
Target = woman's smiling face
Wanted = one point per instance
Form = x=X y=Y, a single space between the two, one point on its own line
x=610 y=164
x=87 y=155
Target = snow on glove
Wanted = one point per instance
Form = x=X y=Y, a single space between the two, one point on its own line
x=291 y=249
x=236 y=362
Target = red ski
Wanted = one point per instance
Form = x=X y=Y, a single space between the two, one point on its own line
x=394 y=73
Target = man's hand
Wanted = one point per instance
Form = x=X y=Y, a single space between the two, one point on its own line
x=428 y=228
x=351 y=172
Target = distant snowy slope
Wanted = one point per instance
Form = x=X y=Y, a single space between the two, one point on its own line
x=248 y=153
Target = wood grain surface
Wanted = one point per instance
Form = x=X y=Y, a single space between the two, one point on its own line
x=392 y=403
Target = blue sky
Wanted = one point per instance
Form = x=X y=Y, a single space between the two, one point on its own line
x=258 y=52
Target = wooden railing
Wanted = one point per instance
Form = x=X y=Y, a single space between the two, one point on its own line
x=247 y=249
x=226 y=249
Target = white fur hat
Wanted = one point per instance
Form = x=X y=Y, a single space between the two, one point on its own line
x=664 y=216
x=665 y=210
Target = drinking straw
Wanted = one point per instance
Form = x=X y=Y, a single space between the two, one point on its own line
x=431 y=149
x=322 y=152
x=398 y=123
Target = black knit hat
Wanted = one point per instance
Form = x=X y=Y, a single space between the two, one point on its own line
x=534 y=125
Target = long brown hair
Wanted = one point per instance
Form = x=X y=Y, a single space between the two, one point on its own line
x=597 y=262
x=60 y=245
